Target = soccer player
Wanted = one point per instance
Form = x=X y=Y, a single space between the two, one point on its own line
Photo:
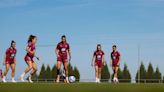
x=115 y=62
x=10 y=61
x=31 y=50
x=63 y=52
x=98 y=61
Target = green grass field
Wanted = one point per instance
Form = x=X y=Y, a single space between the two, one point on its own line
x=79 y=87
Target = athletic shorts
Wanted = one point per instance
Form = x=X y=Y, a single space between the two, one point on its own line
x=28 y=59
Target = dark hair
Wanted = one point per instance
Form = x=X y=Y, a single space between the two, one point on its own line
x=114 y=46
x=31 y=37
x=63 y=36
x=12 y=43
x=98 y=45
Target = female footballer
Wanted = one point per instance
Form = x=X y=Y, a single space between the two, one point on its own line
x=31 y=50
x=62 y=53
x=98 y=61
x=10 y=61
x=115 y=62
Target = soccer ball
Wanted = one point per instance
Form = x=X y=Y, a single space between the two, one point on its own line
x=72 y=79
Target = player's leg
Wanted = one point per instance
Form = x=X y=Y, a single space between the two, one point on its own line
x=13 y=71
x=99 y=74
x=64 y=76
x=116 y=73
x=34 y=70
x=29 y=63
x=58 y=71
x=6 y=71
x=96 y=72
x=66 y=71
x=113 y=68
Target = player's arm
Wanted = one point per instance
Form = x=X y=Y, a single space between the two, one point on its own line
x=103 y=59
x=69 y=53
x=119 y=60
x=15 y=58
x=93 y=59
x=57 y=52
x=111 y=62
x=28 y=49
x=4 y=59
x=7 y=51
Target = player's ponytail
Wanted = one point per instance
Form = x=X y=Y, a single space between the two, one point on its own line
x=31 y=37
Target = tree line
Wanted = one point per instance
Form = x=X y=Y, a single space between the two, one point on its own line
x=123 y=75
x=148 y=75
x=50 y=74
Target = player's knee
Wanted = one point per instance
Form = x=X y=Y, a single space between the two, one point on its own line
x=116 y=72
x=13 y=70
x=7 y=69
x=96 y=71
x=58 y=67
x=65 y=68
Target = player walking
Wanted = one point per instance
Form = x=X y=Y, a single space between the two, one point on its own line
x=10 y=61
x=63 y=52
x=98 y=61
x=115 y=63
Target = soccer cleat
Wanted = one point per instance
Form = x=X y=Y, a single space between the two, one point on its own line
x=98 y=81
x=13 y=81
x=4 y=81
x=58 y=79
x=21 y=78
x=29 y=79
x=114 y=80
x=67 y=81
x=117 y=81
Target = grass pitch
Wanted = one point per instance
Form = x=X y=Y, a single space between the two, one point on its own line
x=79 y=87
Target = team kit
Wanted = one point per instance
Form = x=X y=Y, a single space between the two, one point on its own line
x=63 y=54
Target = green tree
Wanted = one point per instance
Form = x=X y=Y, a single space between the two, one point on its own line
x=48 y=72
x=70 y=70
x=142 y=73
x=54 y=72
x=76 y=74
x=120 y=75
x=157 y=75
x=105 y=75
x=126 y=74
x=42 y=72
x=150 y=73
